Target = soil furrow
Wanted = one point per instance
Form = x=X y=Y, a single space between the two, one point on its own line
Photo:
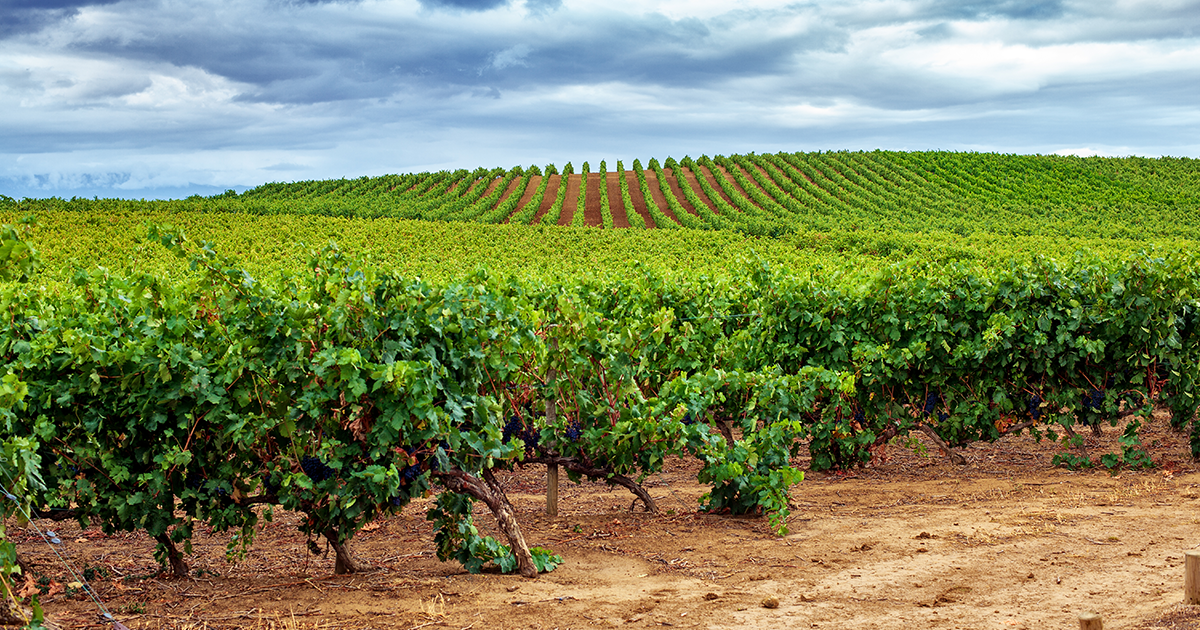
x=616 y=205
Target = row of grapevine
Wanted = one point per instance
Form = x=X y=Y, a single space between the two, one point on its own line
x=577 y=219
x=773 y=194
x=606 y=218
x=555 y=212
x=661 y=220
x=344 y=392
x=631 y=214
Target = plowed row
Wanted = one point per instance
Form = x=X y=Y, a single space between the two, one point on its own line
x=593 y=216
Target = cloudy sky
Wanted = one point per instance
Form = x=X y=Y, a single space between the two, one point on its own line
x=164 y=98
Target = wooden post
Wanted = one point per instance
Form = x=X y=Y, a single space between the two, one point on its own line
x=1090 y=621
x=551 y=418
x=552 y=490
x=1191 y=578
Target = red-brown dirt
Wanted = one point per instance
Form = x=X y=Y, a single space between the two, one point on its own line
x=491 y=186
x=639 y=200
x=712 y=181
x=694 y=184
x=912 y=541
x=616 y=204
x=591 y=202
x=676 y=190
x=736 y=186
x=571 y=202
x=512 y=187
x=548 y=200
x=530 y=191
x=657 y=195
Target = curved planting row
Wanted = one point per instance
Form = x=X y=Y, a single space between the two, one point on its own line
x=772 y=194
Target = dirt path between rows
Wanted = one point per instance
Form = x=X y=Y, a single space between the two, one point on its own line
x=508 y=191
x=530 y=191
x=677 y=190
x=712 y=181
x=549 y=199
x=616 y=204
x=694 y=184
x=657 y=196
x=592 y=216
x=639 y=200
x=571 y=201
x=1005 y=542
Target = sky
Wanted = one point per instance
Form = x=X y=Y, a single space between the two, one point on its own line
x=168 y=98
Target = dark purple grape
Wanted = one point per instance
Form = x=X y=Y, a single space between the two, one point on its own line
x=574 y=431
x=931 y=403
x=316 y=469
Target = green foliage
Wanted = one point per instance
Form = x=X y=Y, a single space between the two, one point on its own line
x=18 y=259
x=458 y=539
x=342 y=390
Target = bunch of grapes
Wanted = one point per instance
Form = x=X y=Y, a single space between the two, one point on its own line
x=1034 y=407
x=688 y=419
x=931 y=403
x=1094 y=400
x=513 y=428
x=859 y=415
x=316 y=469
x=574 y=431
x=528 y=434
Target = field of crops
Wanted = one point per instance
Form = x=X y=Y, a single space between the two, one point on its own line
x=818 y=303
x=833 y=210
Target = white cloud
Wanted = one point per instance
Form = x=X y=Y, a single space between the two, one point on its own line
x=224 y=93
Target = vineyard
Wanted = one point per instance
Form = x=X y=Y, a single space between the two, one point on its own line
x=739 y=314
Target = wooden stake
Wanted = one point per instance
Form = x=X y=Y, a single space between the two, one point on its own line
x=552 y=490
x=1191 y=578
x=1090 y=621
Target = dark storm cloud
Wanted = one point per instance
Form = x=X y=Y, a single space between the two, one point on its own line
x=286 y=62
x=29 y=16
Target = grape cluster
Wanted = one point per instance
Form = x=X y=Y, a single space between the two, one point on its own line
x=859 y=415
x=316 y=469
x=515 y=428
x=1034 y=407
x=931 y=403
x=1094 y=400
x=574 y=431
x=688 y=419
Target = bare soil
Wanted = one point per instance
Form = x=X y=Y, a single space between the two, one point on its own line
x=639 y=200
x=911 y=541
x=571 y=201
x=592 y=216
x=694 y=184
x=616 y=204
x=658 y=197
x=512 y=187
x=530 y=191
x=549 y=199
x=712 y=181
x=676 y=190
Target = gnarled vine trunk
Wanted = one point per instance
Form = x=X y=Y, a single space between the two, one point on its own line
x=492 y=494
x=174 y=558
x=343 y=562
